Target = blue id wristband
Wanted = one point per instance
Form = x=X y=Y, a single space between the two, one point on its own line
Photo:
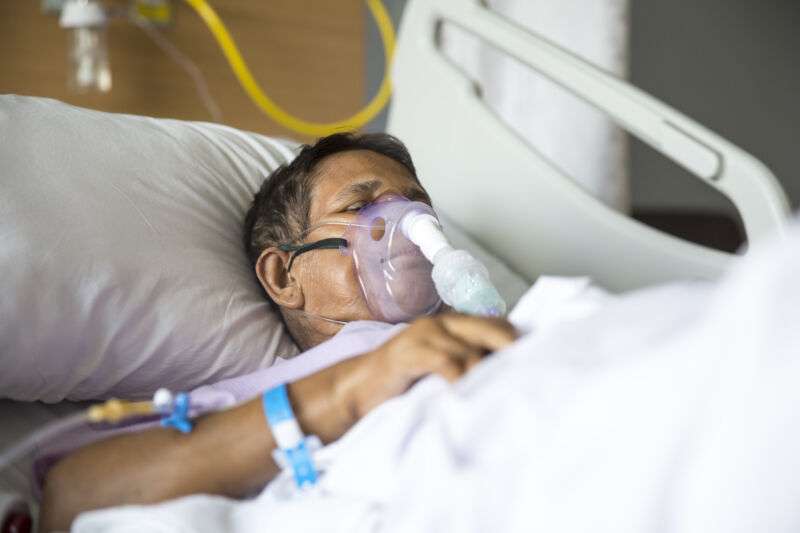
x=293 y=445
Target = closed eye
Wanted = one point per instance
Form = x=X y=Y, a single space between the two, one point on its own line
x=355 y=207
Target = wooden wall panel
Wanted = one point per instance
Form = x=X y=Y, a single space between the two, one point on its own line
x=307 y=54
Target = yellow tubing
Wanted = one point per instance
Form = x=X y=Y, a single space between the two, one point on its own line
x=272 y=109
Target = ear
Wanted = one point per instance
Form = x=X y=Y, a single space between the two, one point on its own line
x=281 y=286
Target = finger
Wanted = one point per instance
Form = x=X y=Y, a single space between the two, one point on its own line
x=454 y=365
x=471 y=361
x=450 y=369
x=440 y=338
x=488 y=333
x=428 y=360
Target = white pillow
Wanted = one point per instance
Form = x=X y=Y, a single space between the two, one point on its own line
x=121 y=253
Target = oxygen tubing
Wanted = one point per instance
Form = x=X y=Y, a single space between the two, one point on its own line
x=270 y=107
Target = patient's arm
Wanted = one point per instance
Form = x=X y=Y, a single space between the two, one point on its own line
x=229 y=453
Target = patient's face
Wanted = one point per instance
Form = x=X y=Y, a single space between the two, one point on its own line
x=345 y=182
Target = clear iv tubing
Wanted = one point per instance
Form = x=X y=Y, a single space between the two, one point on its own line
x=272 y=109
x=40 y=436
x=112 y=411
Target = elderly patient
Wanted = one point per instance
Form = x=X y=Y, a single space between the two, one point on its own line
x=229 y=452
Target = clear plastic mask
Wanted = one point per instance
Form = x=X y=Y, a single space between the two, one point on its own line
x=393 y=274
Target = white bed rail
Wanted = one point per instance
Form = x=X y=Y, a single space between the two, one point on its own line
x=461 y=146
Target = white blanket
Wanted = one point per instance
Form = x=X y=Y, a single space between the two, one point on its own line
x=670 y=409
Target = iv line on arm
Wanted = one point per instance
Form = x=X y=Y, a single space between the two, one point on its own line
x=173 y=409
x=294 y=451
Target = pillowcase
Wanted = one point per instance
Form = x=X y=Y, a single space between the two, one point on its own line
x=121 y=253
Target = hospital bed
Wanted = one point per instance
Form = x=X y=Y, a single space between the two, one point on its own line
x=509 y=197
x=494 y=184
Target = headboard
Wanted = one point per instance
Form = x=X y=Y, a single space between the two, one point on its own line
x=518 y=204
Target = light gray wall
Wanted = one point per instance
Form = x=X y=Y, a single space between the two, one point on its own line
x=733 y=65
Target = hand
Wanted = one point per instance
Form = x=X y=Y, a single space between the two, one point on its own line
x=446 y=344
x=329 y=402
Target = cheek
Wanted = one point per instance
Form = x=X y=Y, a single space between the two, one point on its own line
x=343 y=279
x=331 y=286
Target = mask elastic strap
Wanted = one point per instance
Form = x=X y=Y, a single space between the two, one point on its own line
x=333 y=243
x=325 y=319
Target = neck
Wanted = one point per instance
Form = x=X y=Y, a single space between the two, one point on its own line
x=308 y=331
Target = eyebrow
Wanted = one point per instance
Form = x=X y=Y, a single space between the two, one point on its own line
x=358 y=189
x=369 y=187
